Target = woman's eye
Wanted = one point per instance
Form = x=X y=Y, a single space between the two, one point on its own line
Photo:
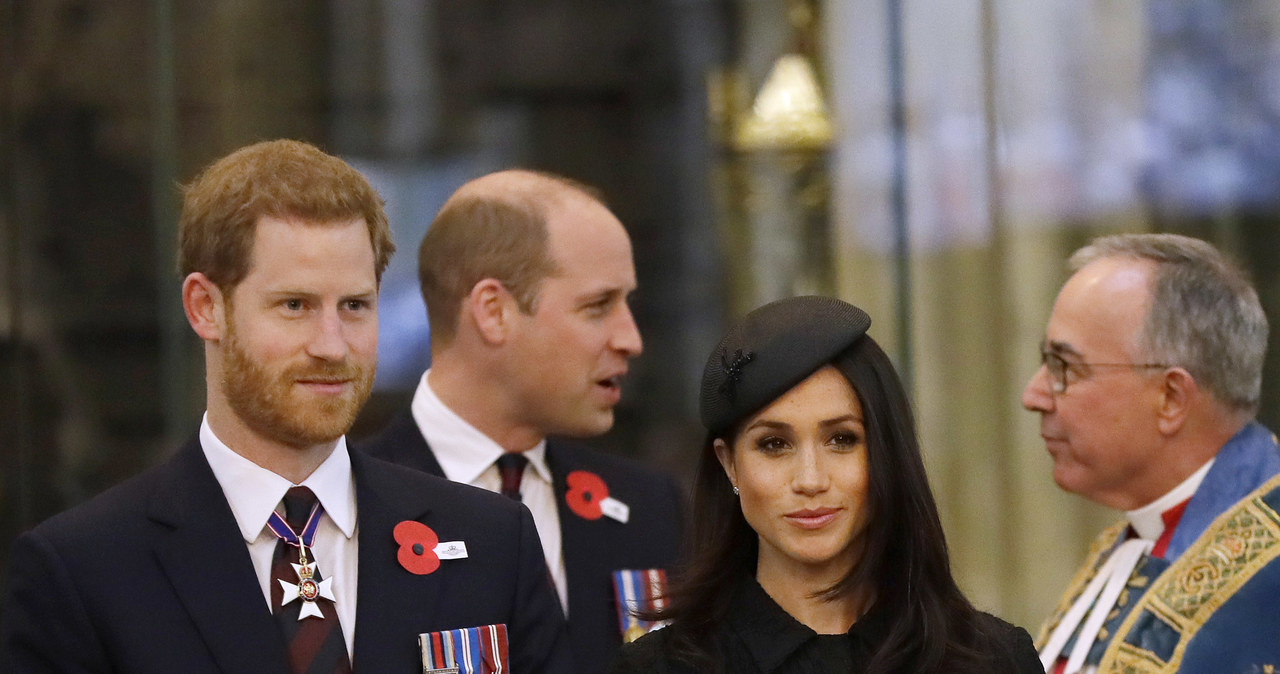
x=846 y=439
x=771 y=443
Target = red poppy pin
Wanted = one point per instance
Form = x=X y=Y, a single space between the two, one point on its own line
x=417 y=547
x=588 y=498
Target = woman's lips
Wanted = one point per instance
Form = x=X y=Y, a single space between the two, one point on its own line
x=815 y=518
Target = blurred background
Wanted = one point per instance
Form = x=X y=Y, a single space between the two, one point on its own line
x=933 y=162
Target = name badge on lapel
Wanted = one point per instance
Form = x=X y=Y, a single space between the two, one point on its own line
x=638 y=590
x=470 y=650
x=451 y=550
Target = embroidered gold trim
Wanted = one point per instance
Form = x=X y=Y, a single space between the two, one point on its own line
x=1239 y=543
x=1135 y=661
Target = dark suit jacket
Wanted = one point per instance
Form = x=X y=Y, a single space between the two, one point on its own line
x=593 y=549
x=154 y=576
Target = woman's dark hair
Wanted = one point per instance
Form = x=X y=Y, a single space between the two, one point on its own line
x=903 y=563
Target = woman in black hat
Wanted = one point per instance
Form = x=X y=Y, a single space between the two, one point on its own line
x=817 y=544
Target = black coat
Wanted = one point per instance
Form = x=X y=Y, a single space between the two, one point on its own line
x=758 y=637
x=593 y=549
x=154 y=576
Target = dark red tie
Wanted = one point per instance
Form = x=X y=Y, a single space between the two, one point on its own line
x=315 y=646
x=511 y=469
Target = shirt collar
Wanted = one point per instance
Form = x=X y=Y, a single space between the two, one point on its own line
x=772 y=635
x=464 y=452
x=1148 y=522
x=253 y=491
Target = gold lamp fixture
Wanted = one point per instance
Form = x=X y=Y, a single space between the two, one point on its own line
x=773 y=187
x=788 y=113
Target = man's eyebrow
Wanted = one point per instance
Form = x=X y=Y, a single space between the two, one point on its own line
x=599 y=294
x=1060 y=348
x=286 y=293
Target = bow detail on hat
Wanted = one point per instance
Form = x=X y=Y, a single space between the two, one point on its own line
x=733 y=371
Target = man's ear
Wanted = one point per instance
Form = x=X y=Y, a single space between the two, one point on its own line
x=204 y=305
x=491 y=307
x=1178 y=397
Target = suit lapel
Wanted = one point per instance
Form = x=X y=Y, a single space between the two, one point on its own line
x=577 y=539
x=208 y=564
x=389 y=595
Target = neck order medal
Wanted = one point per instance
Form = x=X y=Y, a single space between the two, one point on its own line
x=308 y=589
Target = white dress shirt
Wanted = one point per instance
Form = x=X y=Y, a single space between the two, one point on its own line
x=466 y=455
x=1148 y=521
x=254 y=492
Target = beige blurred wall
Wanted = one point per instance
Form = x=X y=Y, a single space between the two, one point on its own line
x=991 y=220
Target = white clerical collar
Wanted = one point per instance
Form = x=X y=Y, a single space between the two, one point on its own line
x=464 y=452
x=1148 y=521
x=253 y=491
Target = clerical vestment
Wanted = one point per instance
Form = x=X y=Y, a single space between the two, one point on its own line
x=1212 y=604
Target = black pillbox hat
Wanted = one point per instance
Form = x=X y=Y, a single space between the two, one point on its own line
x=771 y=350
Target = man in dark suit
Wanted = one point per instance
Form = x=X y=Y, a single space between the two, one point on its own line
x=526 y=278
x=263 y=545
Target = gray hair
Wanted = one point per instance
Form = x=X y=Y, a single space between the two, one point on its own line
x=1204 y=316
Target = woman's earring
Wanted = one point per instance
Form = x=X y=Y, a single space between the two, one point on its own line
x=735 y=490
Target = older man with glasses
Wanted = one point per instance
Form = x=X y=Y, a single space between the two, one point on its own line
x=1150 y=379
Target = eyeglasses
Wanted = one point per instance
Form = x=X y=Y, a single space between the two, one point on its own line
x=1058 y=367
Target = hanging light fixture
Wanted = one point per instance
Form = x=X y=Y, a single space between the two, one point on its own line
x=788 y=113
x=773 y=183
